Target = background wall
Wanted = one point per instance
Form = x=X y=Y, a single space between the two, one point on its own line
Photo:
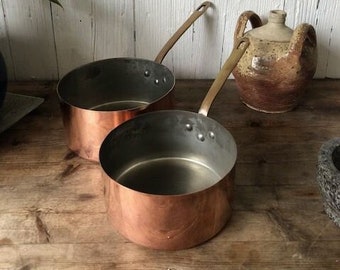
x=40 y=40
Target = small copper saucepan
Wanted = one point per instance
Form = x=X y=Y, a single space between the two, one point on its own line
x=169 y=174
x=97 y=97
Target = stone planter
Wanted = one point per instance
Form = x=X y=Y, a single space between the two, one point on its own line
x=328 y=177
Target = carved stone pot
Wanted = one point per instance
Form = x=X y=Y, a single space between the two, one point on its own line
x=328 y=177
x=279 y=62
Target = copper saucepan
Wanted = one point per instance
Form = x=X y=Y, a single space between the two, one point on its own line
x=169 y=174
x=97 y=97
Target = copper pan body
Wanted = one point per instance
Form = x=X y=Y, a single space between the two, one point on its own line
x=169 y=174
x=169 y=222
x=99 y=96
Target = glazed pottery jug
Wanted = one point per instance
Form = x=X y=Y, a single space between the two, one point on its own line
x=279 y=62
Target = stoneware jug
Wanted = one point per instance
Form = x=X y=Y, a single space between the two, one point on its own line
x=279 y=62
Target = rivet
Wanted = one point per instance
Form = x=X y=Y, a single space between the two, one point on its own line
x=211 y=135
x=164 y=79
x=146 y=73
x=156 y=81
x=200 y=136
x=188 y=127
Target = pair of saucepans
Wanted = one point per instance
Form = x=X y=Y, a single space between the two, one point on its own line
x=168 y=173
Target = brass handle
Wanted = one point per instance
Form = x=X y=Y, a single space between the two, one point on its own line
x=239 y=48
x=171 y=42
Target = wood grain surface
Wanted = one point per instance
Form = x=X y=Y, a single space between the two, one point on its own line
x=52 y=209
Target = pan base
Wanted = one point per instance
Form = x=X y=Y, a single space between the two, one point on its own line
x=120 y=105
x=169 y=176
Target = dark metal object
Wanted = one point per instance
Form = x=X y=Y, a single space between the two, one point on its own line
x=15 y=107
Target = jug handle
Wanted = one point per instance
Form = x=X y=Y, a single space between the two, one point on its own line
x=302 y=33
x=242 y=23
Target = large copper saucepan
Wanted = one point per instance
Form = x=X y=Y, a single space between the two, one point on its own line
x=169 y=174
x=97 y=97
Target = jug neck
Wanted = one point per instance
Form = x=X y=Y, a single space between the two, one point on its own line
x=277 y=17
x=275 y=29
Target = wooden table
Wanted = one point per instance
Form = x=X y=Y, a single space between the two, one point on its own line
x=52 y=210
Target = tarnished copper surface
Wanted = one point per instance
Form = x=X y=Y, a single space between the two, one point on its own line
x=86 y=129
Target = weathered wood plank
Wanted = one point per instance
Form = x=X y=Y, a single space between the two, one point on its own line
x=114 y=29
x=74 y=32
x=239 y=254
x=155 y=24
x=333 y=38
x=44 y=43
x=261 y=173
x=30 y=35
x=69 y=228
